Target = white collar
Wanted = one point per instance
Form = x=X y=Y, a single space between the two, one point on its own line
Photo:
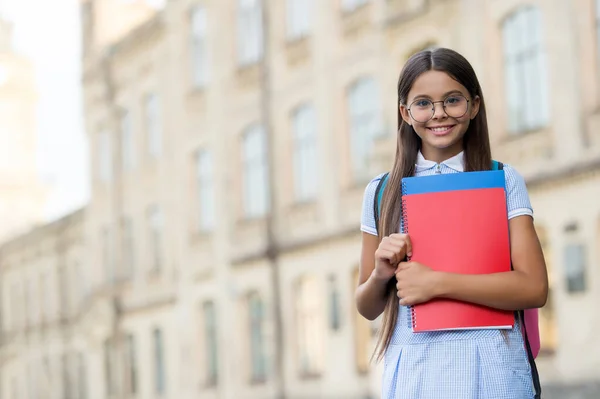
x=456 y=162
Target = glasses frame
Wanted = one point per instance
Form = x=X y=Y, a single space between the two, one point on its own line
x=443 y=107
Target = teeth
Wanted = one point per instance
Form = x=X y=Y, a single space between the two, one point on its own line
x=439 y=129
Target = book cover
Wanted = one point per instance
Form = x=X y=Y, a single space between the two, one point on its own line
x=458 y=223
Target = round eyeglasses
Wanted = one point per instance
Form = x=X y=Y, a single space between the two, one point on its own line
x=422 y=109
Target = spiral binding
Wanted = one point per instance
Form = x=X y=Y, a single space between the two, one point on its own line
x=411 y=318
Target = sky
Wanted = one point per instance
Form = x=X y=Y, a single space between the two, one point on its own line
x=48 y=32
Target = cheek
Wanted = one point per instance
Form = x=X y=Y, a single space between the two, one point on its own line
x=464 y=122
x=419 y=128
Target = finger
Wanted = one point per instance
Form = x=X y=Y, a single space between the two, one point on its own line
x=398 y=240
x=408 y=245
x=402 y=240
x=403 y=266
x=383 y=253
x=397 y=247
x=406 y=302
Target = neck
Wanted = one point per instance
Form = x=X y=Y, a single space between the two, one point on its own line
x=439 y=155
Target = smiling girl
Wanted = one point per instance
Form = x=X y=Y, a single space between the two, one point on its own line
x=443 y=129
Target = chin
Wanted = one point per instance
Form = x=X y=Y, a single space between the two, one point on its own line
x=442 y=143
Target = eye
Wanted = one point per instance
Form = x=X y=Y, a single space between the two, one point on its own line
x=422 y=103
x=454 y=100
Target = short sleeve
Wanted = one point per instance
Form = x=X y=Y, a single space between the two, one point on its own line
x=517 y=197
x=367 y=219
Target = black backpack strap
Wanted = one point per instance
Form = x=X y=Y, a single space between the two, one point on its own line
x=376 y=200
x=520 y=315
x=535 y=376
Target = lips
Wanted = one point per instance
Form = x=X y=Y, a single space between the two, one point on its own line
x=441 y=130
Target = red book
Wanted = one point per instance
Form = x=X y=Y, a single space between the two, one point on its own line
x=458 y=223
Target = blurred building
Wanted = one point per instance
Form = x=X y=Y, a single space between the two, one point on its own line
x=21 y=193
x=44 y=297
x=231 y=143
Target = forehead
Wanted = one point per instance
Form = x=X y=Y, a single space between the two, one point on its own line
x=435 y=84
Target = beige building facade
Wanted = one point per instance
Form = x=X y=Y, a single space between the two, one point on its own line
x=43 y=298
x=23 y=196
x=231 y=143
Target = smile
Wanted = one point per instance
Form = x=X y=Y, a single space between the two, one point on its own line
x=441 y=130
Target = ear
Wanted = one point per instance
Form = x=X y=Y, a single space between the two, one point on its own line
x=475 y=106
x=405 y=114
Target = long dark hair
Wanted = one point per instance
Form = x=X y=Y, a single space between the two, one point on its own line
x=476 y=146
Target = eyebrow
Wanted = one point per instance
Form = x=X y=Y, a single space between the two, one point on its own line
x=444 y=95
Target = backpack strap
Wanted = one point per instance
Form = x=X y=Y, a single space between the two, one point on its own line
x=378 y=197
x=520 y=315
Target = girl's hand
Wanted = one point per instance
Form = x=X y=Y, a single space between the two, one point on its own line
x=391 y=251
x=416 y=283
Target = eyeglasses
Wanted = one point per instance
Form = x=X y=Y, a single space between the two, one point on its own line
x=422 y=110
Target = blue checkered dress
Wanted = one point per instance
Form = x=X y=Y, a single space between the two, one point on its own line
x=472 y=364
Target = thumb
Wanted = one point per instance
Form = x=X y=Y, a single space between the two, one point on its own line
x=403 y=266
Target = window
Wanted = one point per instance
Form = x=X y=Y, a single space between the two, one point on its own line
x=206 y=190
x=305 y=153
x=334 y=304
x=81 y=376
x=351 y=5
x=525 y=70
x=153 y=125
x=309 y=327
x=298 y=18
x=255 y=169
x=156 y=225
x=27 y=303
x=250 y=31
x=34 y=308
x=127 y=143
x=210 y=343
x=12 y=322
x=362 y=335
x=131 y=364
x=109 y=368
x=575 y=270
x=66 y=376
x=82 y=279
x=107 y=255
x=15 y=391
x=199 y=47
x=159 y=366
x=44 y=297
x=128 y=247
x=257 y=344
x=366 y=124
x=104 y=157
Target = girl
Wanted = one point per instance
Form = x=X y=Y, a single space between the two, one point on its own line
x=443 y=129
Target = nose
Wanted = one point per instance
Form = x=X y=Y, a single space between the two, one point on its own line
x=438 y=110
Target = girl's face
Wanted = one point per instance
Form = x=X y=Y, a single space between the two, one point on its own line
x=439 y=109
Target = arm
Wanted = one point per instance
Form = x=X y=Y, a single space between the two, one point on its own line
x=523 y=288
x=371 y=291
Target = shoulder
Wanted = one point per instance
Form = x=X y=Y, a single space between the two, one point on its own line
x=372 y=185
x=368 y=215
x=517 y=197
x=371 y=189
x=514 y=179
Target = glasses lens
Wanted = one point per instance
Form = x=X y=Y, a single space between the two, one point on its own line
x=421 y=110
x=455 y=106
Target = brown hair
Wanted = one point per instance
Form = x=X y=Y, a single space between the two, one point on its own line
x=476 y=146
